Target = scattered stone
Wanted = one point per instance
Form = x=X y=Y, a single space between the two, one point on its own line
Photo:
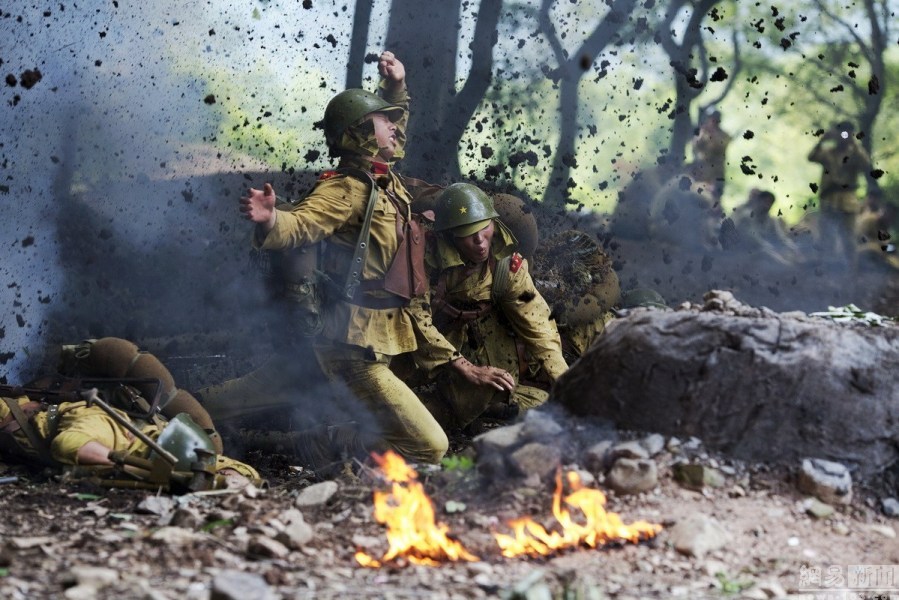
x=816 y=508
x=316 y=494
x=891 y=507
x=653 y=443
x=532 y=483
x=840 y=529
x=698 y=534
x=367 y=542
x=175 y=535
x=697 y=477
x=694 y=443
x=586 y=477
x=265 y=547
x=765 y=590
x=486 y=583
x=480 y=568
x=24 y=543
x=737 y=491
x=295 y=533
x=632 y=476
x=713 y=567
x=532 y=587
x=499 y=439
x=674 y=445
x=492 y=466
x=596 y=457
x=539 y=426
x=156 y=505
x=884 y=530
x=186 y=517
x=535 y=458
x=237 y=585
x=628 y=450
x=80 y=592
x=94 y=577
x=826 y=480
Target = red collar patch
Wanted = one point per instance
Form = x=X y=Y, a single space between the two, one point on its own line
x=515 y=263
x=379 y=168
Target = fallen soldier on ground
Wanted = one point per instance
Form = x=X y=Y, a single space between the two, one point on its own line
x=111 y=434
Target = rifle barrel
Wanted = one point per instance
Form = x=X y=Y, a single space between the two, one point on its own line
x=91 y=397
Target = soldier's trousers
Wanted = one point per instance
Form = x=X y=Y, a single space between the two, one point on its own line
x=389 y=409
x=469 y=401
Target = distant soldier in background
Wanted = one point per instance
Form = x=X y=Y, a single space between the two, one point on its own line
x=710 y=154
x=752 y=228
x=843 y=160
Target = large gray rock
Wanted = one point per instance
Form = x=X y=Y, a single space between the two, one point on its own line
x=753 y=383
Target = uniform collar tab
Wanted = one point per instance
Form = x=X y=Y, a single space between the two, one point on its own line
x=379 y=168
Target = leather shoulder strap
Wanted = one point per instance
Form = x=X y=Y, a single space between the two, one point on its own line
x=501 y=280
x=360 y=253
x=34 y=439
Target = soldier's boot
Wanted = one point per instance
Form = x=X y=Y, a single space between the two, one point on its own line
x=331 y=450
x=312 y=448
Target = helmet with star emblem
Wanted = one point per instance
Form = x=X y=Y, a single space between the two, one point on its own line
x=463 y=209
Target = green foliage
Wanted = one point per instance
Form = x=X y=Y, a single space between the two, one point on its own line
x=788 y=76
x=732 y=586
x=85 y=496
x=212 y=525
x=454 y=506
x=788 y=86
x=852 y=314
x=457 y=462
x=4 y=571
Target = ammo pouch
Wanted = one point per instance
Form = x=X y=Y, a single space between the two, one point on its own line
x=292 y=279
x=295 y=278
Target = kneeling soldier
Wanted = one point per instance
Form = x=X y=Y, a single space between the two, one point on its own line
x=486 y=304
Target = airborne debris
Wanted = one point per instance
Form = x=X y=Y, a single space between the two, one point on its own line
x=29 y=78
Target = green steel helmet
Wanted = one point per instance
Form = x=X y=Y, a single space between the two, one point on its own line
x=182 y=437
x=349 y=107
x=463 y=208
x=642 y=297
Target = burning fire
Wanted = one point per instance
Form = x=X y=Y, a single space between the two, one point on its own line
x=600 y=528
x=408 y=513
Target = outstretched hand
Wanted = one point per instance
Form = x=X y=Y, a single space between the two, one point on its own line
x=484 y=375
x=259 y=206
x=391 y=68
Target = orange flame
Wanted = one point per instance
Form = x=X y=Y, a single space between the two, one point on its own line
x=407 y=511
x=600 y=528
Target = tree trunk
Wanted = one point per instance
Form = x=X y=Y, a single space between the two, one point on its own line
x=425 y=37
x=361 y=19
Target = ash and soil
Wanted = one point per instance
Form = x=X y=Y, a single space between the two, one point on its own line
x=52 y=534
x=55 y=532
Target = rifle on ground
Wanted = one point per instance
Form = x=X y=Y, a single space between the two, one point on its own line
x=156 y=472
x=119 y=390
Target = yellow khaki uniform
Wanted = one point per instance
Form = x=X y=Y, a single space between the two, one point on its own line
x=516 y=333
x=76 y=424
x=358 y=342
x=842 y=165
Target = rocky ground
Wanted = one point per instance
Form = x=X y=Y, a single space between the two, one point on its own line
x=730 y=529
x=737 y=531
